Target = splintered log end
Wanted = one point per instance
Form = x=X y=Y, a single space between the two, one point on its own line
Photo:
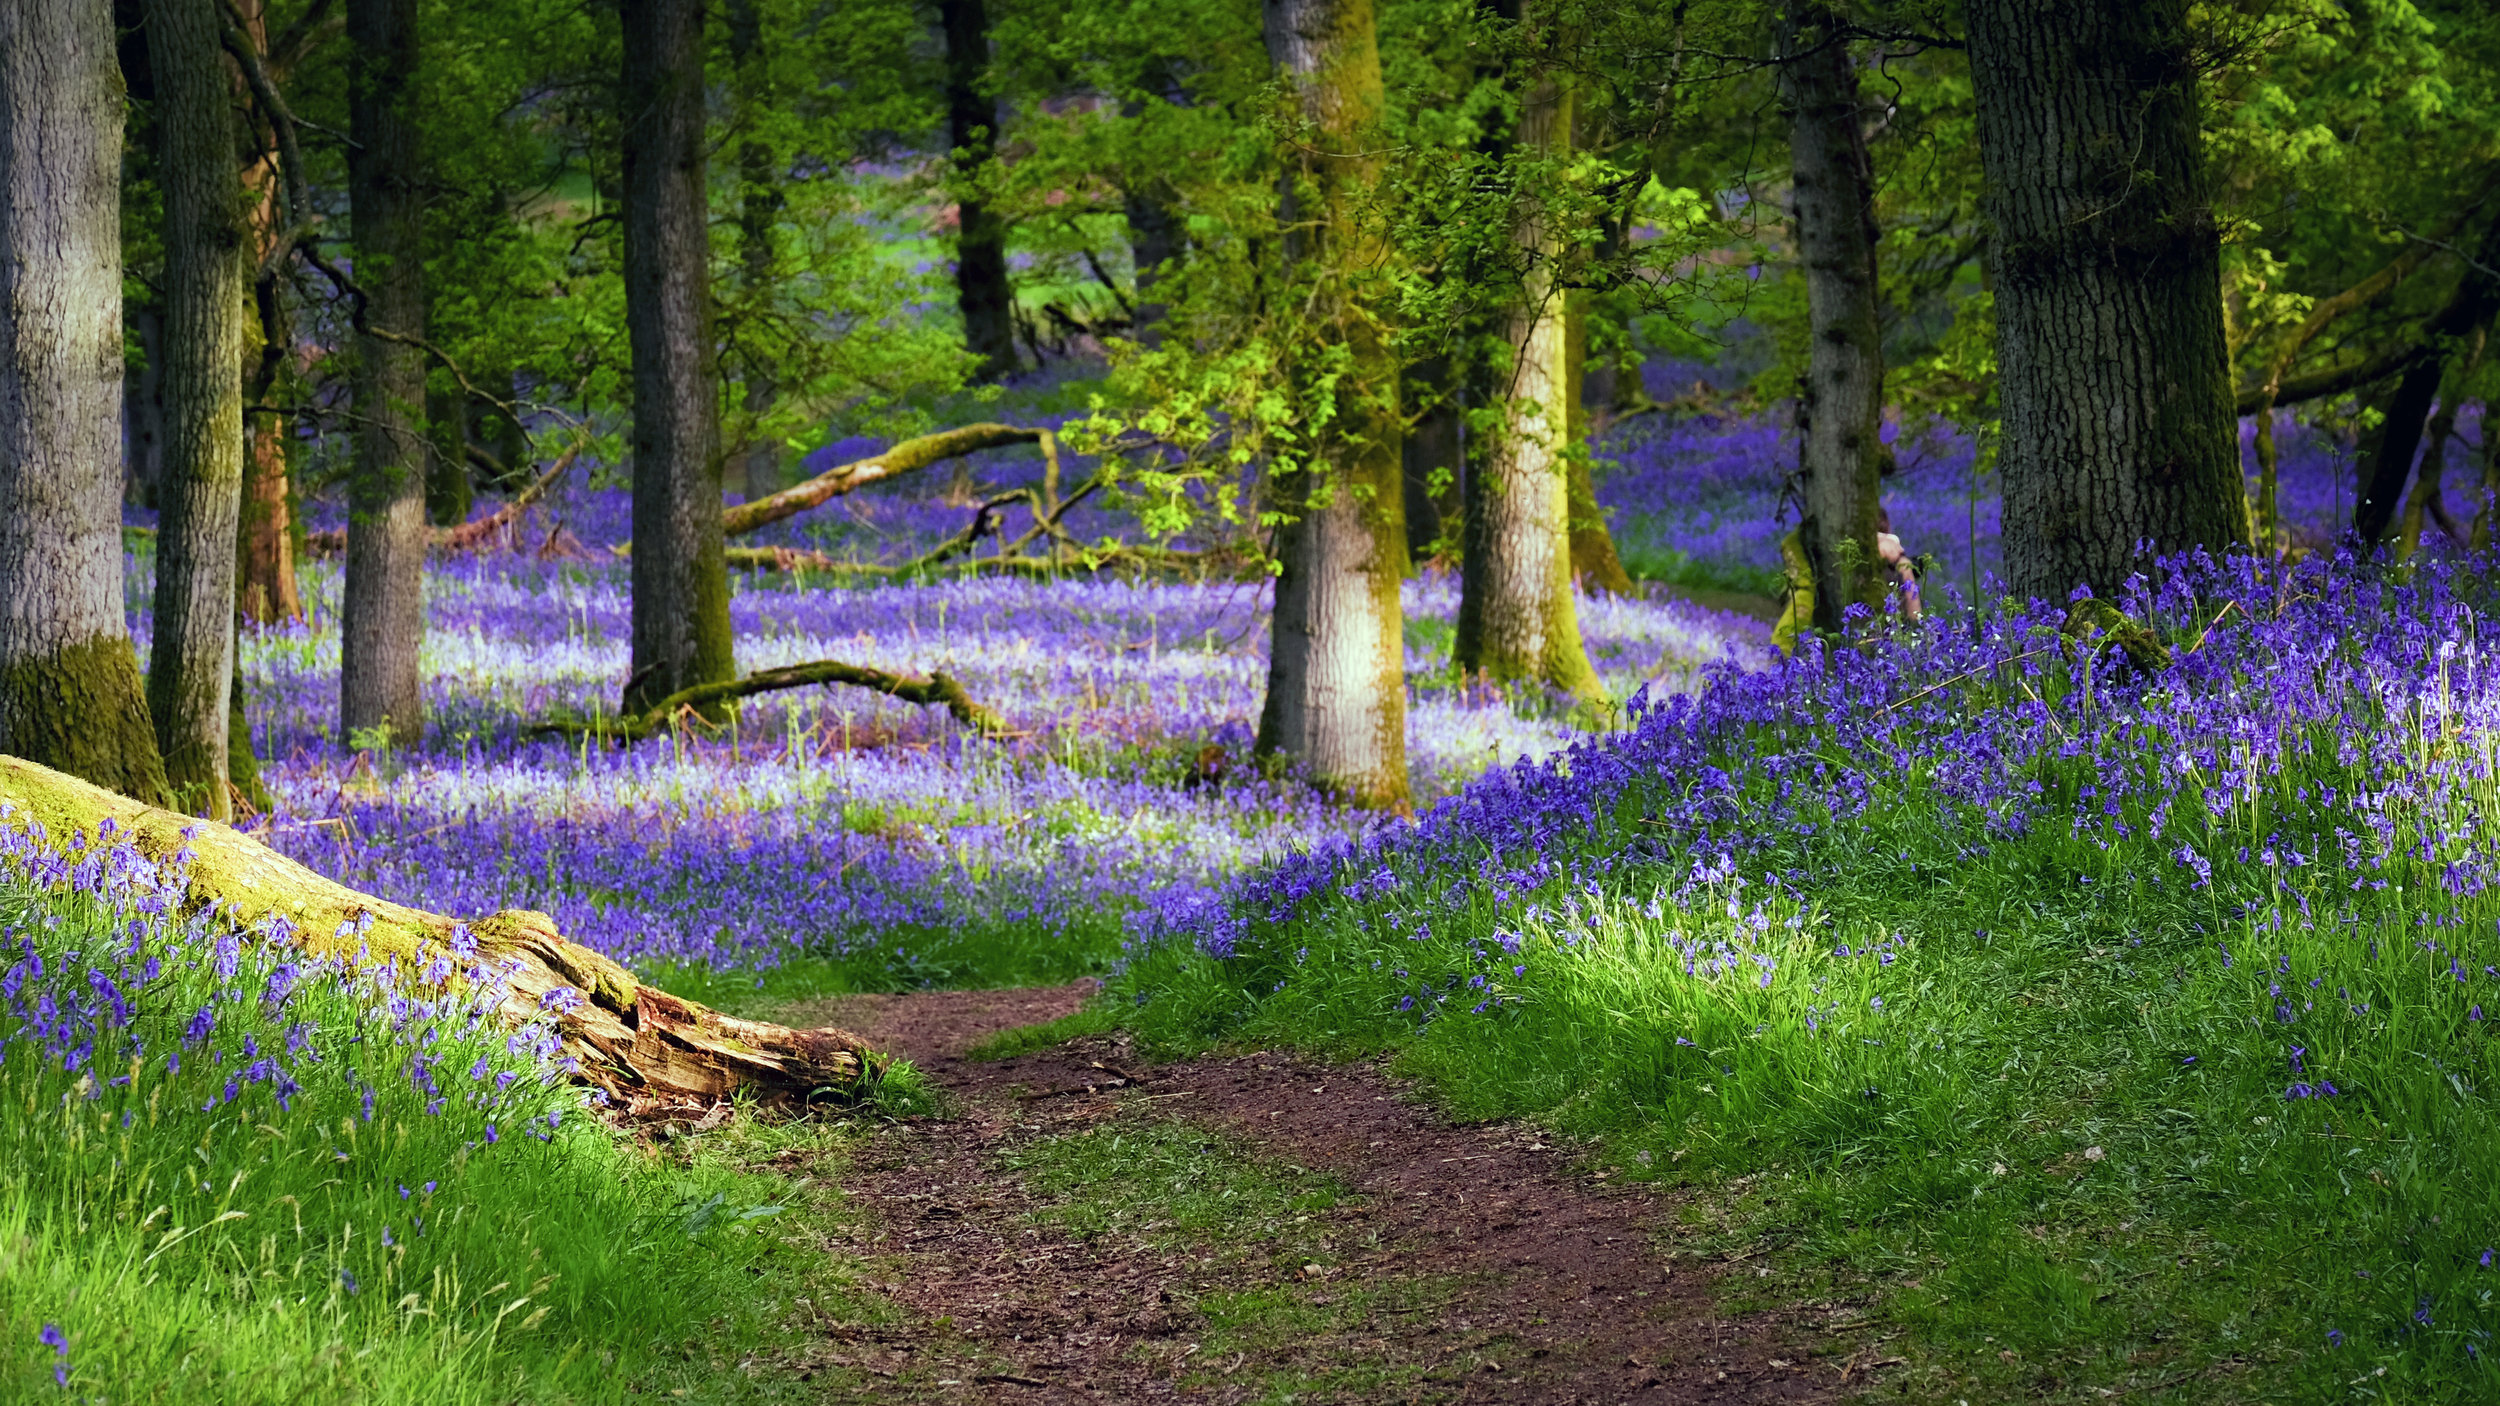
x=634 y=1040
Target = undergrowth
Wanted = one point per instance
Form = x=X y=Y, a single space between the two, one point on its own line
x=2127 y=1029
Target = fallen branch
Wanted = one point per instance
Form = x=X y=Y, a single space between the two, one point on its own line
x=903 y=458
x=934 y=688
x=635 y=1041
x=468 y=535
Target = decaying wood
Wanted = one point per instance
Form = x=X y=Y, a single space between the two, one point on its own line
x=468 y=536
x=903 y=458
x=639 y=1043
x=931 y=688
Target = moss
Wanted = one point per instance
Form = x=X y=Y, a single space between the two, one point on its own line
x=79 y=710
x=243 y=768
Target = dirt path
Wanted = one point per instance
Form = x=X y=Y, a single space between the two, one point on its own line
x=1397 y=1257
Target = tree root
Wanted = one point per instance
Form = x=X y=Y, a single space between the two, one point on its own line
x=639 y=1043
x=933 y=688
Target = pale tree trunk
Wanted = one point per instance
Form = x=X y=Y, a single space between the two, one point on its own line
x=2117 y=426
x=982 y=289
x=1336 y=678
x=69 y=679
x=1840 y=405
x=759 y=204
x=1518 y=611
x=191 y=655
x=1594 y=562
x=382 y=621
x=680 y=576
x=265 y=588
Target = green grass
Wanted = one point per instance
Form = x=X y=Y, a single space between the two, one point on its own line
x=2011 y=1085
x=1674 y=567
x=255 y=1242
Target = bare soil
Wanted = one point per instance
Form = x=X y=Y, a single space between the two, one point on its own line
x=1471 y=1264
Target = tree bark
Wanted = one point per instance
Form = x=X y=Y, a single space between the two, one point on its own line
x=266 y=592
x=1518 y=611
x=982 y=290
x=1336 y=687
x=2117 y=424
x=1594 y=562
x=681 y=585
x=634 y=1040
x=69 y=679
x=191 y=652
x=143 y=408
x=383 y=615
x=759 y=205
x=1840 y=404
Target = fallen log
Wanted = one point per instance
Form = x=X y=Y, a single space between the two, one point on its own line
x=903 y=458
x=932 y=688
x=636 y=1041
x=329 y=542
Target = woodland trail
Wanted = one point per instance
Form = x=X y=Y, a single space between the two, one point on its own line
x=1083 y=1227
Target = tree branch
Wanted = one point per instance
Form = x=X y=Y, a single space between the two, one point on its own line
x=933 y=688
x=903 y=458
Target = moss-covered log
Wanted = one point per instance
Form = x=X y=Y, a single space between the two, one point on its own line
x=910 y=455
x=636 y=1041
x=925 y=690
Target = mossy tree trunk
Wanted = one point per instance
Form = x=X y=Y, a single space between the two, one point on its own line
x=1595 y=563
x=634 y=1040
x=2114 y=375
x=1840 y=404
x=191 y=652
x=1518 y=611
x=69 y=679
x=680 y=574
x=382 y=620
x=1336 y=685
x=982 y=289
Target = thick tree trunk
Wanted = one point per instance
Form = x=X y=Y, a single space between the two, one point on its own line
x=636 y=1041
x=1594 y=561
x=383 y=617
x=981 y=286
x=1518 y=611
x=1840 y=405
x=1433 y=457
x=681 y=584
x=191 y=654
x=1336 y=689
x=2117 y=425
x=69 y=679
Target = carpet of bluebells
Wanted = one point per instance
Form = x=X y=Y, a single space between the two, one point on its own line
x=841 y=824
x=1988 y=938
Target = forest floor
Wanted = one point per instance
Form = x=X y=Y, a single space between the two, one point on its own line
x=1079 y=1224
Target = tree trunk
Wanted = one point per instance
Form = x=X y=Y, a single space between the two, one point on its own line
x=634 y=1040
x=1518 y=611
x=143 y=409
x=2117 y=424
x=981 y=286
x=1594 y=562
x=382 y=620
x=69 y=679
x=759 y=205
x=1336 y=685
x=191 y=654
x=1840 y=406
x=265 y=588
x=1433 y=457
x=681 y=583
x=2399 y=437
